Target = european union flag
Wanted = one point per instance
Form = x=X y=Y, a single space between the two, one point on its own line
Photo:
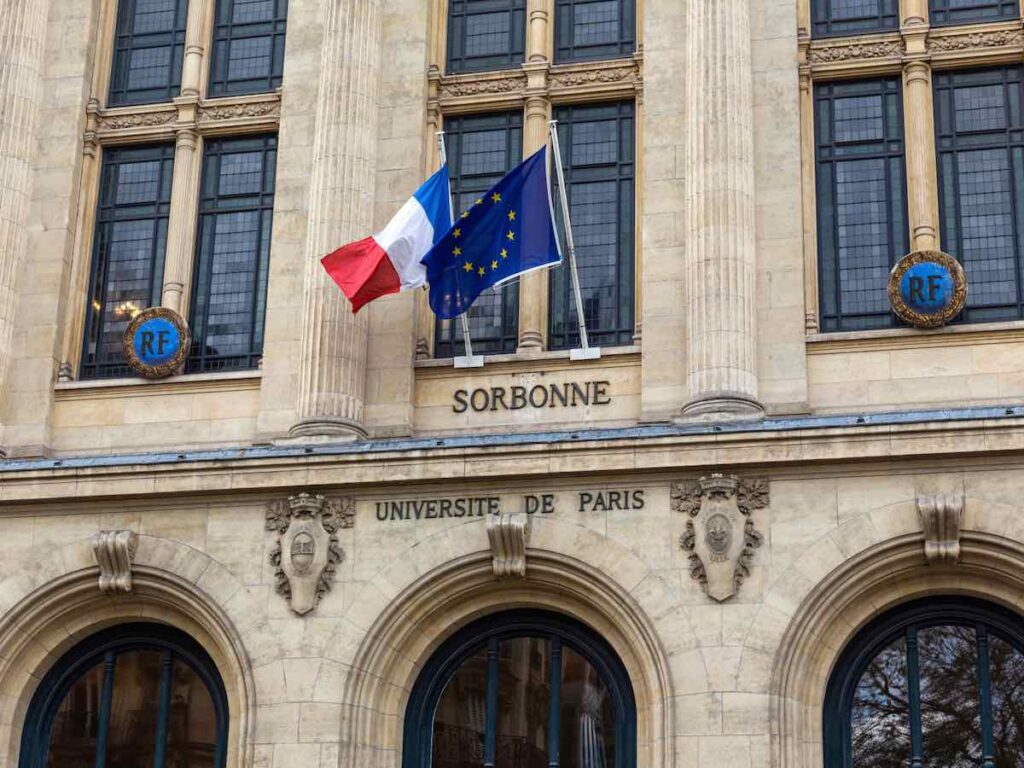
x=506 y=232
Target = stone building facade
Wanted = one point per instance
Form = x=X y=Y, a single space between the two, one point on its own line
x=770 y=526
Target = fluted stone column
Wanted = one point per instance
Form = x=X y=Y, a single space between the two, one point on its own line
x=720 y=234
x=22 y=38
x=181 y=227
x=922 y=179
x=332 y=375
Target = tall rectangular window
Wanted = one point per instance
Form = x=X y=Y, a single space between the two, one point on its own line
x=594 y=29
x=942 y=13
x=128 y=253
x=485 y=34
x=598 y=149
x=861 y=199
x=229 y=287
x=980 y=140
x=482 y=149
x=853 y=17
x=248 y=46
x=149 y=45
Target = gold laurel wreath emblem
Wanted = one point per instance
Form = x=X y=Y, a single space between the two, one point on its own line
x=173 y=365
x=918 y=319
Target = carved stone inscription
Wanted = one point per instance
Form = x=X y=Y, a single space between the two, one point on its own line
x=307 y=551
x=720 y=534
x=604 y=500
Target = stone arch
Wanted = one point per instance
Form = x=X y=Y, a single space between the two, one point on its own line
x=590 y=578
x=889 y=568
x=54 y=602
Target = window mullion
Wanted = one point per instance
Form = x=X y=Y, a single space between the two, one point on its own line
x=555 y=715
x=914 y=690
x=164 y=710
x=491 y=714
x=107 y=697
x=985 y=692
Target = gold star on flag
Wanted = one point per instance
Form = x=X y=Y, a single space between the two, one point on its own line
x=511 y=235
x=468 y=266
x=481 y=271
x=465 y=214
x=494 y=265
x=478 y=201
x=511 y=215
x=456 y=251
x=456 y=232
x=504 y=253
x=495 y=197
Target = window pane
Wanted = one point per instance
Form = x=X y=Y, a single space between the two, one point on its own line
x=950 y=700
x=149 y=46
x=587 y=737
x=481 y=149
x=128 y=256
x=945 y=12
x=524 y=703
x=76 y=723
x=131 y=737
x=847 y=17
x=485 y=34
x=191 y=721
x=594 y=29
x=235 y=213
x=248 y=46
x=880 y=715
x=460 y=719
x=861 y=205
x=1006 y=665
x=597 y=149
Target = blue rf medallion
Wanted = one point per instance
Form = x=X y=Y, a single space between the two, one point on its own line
x=156 y=342
x=927 y=288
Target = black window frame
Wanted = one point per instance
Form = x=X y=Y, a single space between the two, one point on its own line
x=459 y=14
x=212 y=204
x=988 y=619
x=948 y=143
x=824 y=24
x=827 y=154
x=126 y=42
x=109 y=213
x=940 y=15
x=563 y=330
x=566 y=50
x=447 y=333
x=226 y=33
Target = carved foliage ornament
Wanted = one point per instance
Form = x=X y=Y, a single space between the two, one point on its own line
x=236 y=111
x=136 y=120
x=306 y=552
x=977 y=40
x=451 y=88
x=832 y=54
x=594 y=76
x=720 y=534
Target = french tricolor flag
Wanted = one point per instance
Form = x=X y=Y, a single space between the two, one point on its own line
x=389 y=261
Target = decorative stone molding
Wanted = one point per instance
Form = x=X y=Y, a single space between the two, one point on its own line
x=115 y=551
x=941 y=516
x=618 y=73
x=149 y=119
x=720 y=534
x=508 y=535
x=969 y=41
x=457 y=86
x=850 y=51
x=307 y=552
x=253 y=109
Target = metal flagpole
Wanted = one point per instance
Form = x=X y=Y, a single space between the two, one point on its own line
x=585 y=352
x=469 y=360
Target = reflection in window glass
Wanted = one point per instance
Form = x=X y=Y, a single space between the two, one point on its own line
x=945 y=12
x=587 y=738
x=248 y=46
x=594 y=29
x=950 y=700
x=191 y=721
x=1006 y=671
x=524 y=703
x=879 y=719
x=76 y=723
x=460 y=719
x=133 y=711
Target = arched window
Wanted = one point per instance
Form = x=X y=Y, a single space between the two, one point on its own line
x=938 y=682
x=522 y=689
x=134 y=695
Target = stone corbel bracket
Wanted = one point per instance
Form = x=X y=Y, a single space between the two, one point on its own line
x=508 y=535
x=307 y=553
x=115 y=552
x=720 y=534
x=941 y=517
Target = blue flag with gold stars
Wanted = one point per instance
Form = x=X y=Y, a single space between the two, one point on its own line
x=507 y=232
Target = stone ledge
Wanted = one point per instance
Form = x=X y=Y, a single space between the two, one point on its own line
x=136 y=387
x=912 y=338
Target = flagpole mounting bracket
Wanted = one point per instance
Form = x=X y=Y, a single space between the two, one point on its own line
x=585 y=353
x=469 y=361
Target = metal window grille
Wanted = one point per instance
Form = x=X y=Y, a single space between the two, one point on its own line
x=229 y=288
x=128 y=252
x=149 y=44
x=853 y=17
x=861 y=200
x=248 y=46
x=943 y=13
x=980 y=140
x=598 y=149
x=482 y=149
x=594 y=29
x=485 y=34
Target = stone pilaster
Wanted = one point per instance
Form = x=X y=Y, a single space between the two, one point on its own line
x=196 y=33
x=22 y=38
x=720 y=233
x=533 y=286
x=181 y=227
x=332 y=360
x=922 y=181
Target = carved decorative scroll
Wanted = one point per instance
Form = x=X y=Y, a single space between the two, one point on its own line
x=307 y=552
x=840 y=52
x=508 y=535
x=110 y=122
x=720 y=534
x=970 y=41
x=478 y=85
x=253 y=109
x=941 y=516
x=115 y=552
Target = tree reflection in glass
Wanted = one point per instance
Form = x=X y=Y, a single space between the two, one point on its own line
x=1006 y=665
x=950 y=700
x=880 y=716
